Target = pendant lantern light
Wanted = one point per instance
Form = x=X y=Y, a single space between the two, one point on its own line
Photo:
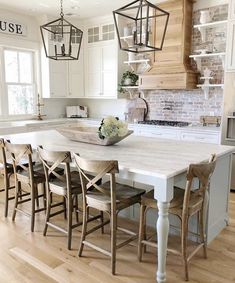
x=141 y=26
x=61 y=39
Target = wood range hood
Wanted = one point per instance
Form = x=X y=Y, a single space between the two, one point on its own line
x=171 y=66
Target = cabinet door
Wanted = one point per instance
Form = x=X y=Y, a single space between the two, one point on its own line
x=76 y=77
x=93 y=72
x=200 y=137
x=230 y=58
x=232 y=9
x=109 y=71
x=58 y=78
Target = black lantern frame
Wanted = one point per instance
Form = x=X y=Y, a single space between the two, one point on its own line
x=148 y=24
x=61 y=39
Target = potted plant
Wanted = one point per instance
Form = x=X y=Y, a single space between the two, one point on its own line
x=128 y=79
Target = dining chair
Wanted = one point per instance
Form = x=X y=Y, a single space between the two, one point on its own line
x=66 y=185
x=6 y=171
x=26 y=174
x=109 y=197
x=184 y=205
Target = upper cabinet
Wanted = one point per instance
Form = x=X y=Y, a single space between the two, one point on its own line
x=101 y=60
x=62 y=79
x=66 y=79
x=95 y=74
x=230 y=52
x=231 y=10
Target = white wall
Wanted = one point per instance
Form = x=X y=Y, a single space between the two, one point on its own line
x=99 y=108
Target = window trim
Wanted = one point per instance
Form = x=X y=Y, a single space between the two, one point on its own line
x=4 y=111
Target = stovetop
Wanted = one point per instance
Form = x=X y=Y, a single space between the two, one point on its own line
x=165 y=123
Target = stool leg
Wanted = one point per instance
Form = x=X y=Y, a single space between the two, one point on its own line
x=44 y=196
x=113 y=240
x=202 y=232
x=48 y=211
x=76 y=208
x=84 y=229
x=6 y=186
x=69 y=223
x=141 y=231
x=34 y=197
x=65 y=208
x=102 y=221
x=184 y=237
x=17 y=187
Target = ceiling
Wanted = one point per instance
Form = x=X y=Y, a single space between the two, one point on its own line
x=77 y=8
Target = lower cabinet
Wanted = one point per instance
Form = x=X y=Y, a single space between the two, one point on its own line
x=202 y=136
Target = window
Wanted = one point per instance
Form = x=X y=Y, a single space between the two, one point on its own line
x=19 y=98
x=108 y=32
x=101 y=33
x=93 y=34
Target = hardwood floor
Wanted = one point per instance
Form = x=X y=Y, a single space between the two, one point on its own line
x=27 y=257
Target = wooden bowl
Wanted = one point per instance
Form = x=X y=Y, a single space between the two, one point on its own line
x=89 y=135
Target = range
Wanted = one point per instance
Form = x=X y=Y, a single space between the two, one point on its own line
x=165 y=123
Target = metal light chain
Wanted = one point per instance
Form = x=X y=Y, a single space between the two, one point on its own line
x=61 y=9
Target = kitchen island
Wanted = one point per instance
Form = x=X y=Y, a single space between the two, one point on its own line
x=157 y=162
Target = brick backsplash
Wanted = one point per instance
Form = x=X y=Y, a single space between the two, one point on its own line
x=182 y=105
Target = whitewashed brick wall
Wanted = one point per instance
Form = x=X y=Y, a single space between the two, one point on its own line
x=190 y=105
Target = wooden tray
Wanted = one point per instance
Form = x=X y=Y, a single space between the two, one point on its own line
x=89 y=135
x=210 y=120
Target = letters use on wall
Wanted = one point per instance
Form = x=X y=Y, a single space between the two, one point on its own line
x=11 y=27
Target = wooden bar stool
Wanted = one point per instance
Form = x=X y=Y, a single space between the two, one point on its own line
x=6 y=170
x=28 y=174
x=66 y=185
x=185 y=204
x=109 y=197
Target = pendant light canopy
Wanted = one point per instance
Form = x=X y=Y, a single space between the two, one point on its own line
x=140 y=26
x=61 y=39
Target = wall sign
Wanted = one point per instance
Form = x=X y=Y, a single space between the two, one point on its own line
x=11 y=27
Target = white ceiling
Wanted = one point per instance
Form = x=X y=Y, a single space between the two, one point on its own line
x=79 y=8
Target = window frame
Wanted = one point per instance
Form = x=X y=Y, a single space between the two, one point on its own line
x=4 y=110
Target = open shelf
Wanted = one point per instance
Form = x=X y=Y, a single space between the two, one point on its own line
x=207 y=55
x=130 y=86
x=211 y=24
x=202 y=27
x=206 y=88
x=210 y=85
x=136 y=61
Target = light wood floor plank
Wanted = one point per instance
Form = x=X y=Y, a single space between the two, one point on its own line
x=27 y=257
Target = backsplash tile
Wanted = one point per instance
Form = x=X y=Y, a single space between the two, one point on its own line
x=182 y=105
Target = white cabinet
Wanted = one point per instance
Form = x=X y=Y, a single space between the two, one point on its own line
x=231 y=9
x=230 y=58
x=93 y=72
x=101 y=59
x=101 y=71
x=196 y=135
x=200 y=137
x=58 y=78
x=157 y=132
x=66 y=78
x=76 y=77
